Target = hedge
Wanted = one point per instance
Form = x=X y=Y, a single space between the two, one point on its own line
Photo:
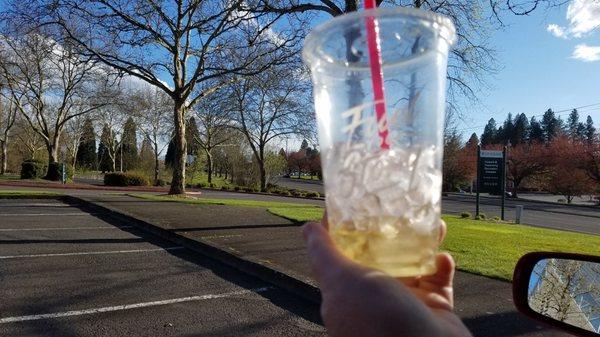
x=125 y=179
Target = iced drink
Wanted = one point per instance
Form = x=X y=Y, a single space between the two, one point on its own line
x=383 y=204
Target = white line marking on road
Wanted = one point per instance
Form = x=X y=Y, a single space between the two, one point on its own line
x=47 y=214
x=61 y=228
x=130 y=306
x=90 y=253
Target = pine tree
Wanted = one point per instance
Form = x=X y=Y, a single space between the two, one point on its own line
x=521 y=129
x=86 y=152
x=490 y=133
x=472 y=142
x=551 y=126
x=590 y=130
x=507 y=132
x=170 y=155
x=105 y=162
x=147 y=154
x=192 y=135
x=536 y=133
x=127 y=154
x=572 y=124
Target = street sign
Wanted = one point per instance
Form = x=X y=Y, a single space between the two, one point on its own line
x=490 y=172
x=491 y=175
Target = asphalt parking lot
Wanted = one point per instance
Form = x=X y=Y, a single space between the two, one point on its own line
x=67 y=272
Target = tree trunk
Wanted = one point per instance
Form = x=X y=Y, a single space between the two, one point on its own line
x=178 y=180
x=4 y=155
x=52 y=170
x=263 y=176
x=156 y=166
x=209 y=164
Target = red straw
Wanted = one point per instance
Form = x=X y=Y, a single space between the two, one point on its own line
x=374 y=46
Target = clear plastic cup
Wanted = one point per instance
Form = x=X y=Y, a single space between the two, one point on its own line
x=383 y=205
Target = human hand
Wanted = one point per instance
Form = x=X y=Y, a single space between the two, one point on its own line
x=360 y=301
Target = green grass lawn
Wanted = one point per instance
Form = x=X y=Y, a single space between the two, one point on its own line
x=25 y=193
x=10 y=177
x=480 y=247
x=305 y=177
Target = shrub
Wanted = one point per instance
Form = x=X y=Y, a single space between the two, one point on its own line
x=160 y=182
x=224 y=188
x=32 y=169
x=125 y=179
x=237 y=188
x=479 y=217
x=211 y=185
x=465 y=215
x=201 y=185
x=312 y=194
x=496 y=218
x=482 y=216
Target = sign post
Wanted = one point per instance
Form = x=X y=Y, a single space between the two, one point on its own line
x=491 y=174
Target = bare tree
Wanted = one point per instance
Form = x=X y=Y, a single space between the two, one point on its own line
x=188 y=41
x=152 y=108
x=55 y=84
x=8 y=116
x=270 y=106
x=214 y=118
x=471 y=59
x=561 y=290
x=30 y=141
x=72 y=136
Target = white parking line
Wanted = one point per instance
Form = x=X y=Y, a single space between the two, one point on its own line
x=6 y=257
x=47 y=214
x=61 y=228
x=129 y=306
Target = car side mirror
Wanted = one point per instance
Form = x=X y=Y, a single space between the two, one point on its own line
x=561 y=290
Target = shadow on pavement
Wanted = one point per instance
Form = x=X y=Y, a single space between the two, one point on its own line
x=285 y=300
x=507 y=324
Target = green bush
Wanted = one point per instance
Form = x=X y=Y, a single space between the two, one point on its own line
x=211 y=185
x=125 y=179
x=496 y=218
x=237 y=188
x=479 y=217
x=465 y=215
x=224 y=188
x=482 y=216
x=160 y=182
x=32 y=169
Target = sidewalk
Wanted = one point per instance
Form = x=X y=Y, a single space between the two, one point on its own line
x=271 y=248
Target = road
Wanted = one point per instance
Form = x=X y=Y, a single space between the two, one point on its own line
x=67 y=272
x=536 y=213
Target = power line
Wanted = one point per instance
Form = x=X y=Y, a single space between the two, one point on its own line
x=540 y=115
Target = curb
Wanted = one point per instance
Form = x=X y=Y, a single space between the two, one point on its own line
x=282 y=279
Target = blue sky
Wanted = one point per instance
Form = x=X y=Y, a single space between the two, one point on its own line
x=539 y=70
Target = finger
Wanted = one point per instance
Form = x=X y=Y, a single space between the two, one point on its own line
x=443 y=230
x=445 y=272
x=324 y=258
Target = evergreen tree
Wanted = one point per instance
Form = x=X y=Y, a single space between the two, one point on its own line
x=170 y=155
x=590 y=130
x=507 y=130
x=104 y=159
x=490 y=133
x=521 y=130
x=536 y=133
x=192 y=135
x=86 y=152
x=572 y=124
x=127 y=153
x=551 y=126
x=472 y=142
x=147 y=154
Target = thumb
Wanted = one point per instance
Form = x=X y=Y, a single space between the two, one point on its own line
x=323 y=256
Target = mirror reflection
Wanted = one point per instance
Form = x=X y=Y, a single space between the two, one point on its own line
x=567 y=291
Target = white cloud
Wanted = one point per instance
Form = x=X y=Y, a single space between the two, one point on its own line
x=583 y=16
x=557 y=30
x=586 y=53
